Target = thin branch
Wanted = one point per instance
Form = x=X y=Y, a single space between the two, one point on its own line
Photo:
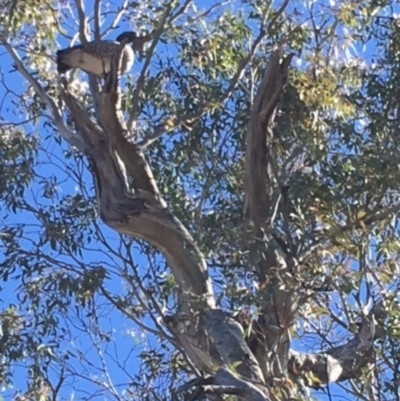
x=84 y=38
x=97 y=18
x=68 y=135
x=206 y=13
x=105 y=371
x=117 y=304
x=82 y=21
x=117 y=18
x=326 y=234
x=180 y=12
x=140 y=83
x=160 y=332
x=277 y=15
x=56 y=390
x=162 y=128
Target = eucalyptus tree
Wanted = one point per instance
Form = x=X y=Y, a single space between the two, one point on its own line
x=220 y=223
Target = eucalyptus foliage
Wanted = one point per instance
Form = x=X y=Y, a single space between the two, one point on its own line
x=82 y=306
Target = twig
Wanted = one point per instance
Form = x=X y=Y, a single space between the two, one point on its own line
x=181 y=11
x=206 y=13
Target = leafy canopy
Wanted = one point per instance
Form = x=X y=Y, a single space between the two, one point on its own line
x=81 y=304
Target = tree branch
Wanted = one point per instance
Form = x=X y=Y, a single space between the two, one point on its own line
x=83 y=36
x=68 y=135
x=273 y=266
x=345 y=361
x=143 y=217
x=224 y=382
x=117 y=18
x=257 y=179
x=97 y=19
x=140 y=83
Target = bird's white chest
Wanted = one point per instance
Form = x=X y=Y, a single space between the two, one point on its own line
x=127 y=59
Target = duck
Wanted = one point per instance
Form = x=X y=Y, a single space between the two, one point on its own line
x=95 y=57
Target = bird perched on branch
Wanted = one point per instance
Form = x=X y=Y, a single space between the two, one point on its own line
x=95 y=57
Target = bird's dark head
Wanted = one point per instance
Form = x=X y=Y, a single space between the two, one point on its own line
x=126 y=37
x=131 y=37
